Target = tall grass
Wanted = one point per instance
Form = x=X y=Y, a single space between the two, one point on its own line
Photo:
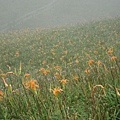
x=68 y=73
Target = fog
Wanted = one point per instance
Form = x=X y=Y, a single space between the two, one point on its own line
x=20 y=14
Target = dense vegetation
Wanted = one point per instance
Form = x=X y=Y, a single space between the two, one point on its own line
x=67 y=73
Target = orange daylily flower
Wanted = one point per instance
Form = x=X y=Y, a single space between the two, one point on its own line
x=88 y=55
x=1 y=94
x=57 y=75
x=31 y=84
x=17 y=53
x=57 y=67
x=87 y=70
x=110 y=50
x=63 y=81
x=62 y=58
x=75 y=77
x=113 y=57
x=44 y=71
x=99 y=62
x=90 y=61
x=44 y=62
x=95 y=52
x=56 y=90
x=2 y=75
x=77 y=61
x=26 y=74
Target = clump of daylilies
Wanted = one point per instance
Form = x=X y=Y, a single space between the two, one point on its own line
x=56 y=90
x=75 y=78
x=31 y=84
x=110 y=50
x=44 y=71
x=63 y=81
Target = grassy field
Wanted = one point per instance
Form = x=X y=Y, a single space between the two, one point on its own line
x=67 y=73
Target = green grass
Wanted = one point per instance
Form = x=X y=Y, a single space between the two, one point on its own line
x=89 y=52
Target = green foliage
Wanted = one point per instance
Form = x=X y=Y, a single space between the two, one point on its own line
x=68 y=73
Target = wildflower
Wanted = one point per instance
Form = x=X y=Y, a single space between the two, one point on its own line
x=110 y=50
x=44 y=62
x=87 y=70
x=113 y=57
x=2 y=75
x=88 y=55
x=75 y=77
x=98 y=62
x=62 y=58
x=95 y=52
x=1 y=94
x=31 y=84
x=63 y=81
x=52 y=51
x=77 y=61
x=26 y=74
x=57 y=75
x=56 y=90
x=44 y=71
x=17 y=53
x=57 y=67
x=90 y=61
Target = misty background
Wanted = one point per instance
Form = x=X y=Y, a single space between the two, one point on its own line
x=20 y=14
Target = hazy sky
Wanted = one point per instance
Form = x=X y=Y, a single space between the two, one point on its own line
x=17 y=14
